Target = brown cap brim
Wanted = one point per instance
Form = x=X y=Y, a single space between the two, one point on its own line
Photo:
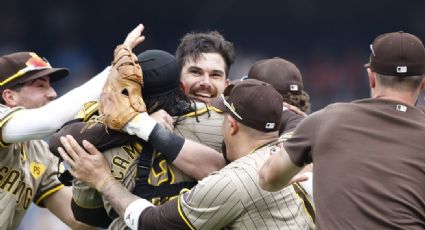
x=218 y=103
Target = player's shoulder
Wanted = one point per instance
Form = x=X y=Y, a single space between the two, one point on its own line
x=200 y=109
x=88 y=110
x=7 y=112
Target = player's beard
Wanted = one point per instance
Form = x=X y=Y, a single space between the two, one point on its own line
x=204 y=94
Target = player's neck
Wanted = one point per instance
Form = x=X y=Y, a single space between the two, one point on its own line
x=246 y=144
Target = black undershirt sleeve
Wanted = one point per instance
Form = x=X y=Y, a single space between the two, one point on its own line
x=165 y=216
x=96 y=217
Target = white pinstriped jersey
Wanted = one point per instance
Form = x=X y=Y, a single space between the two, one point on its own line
x=28 y=173
x=233 y=198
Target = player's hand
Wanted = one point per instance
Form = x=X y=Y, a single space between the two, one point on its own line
x=135 y=37
x=164 y=119
x=299 y=178
x=293 y=109
x=87 y=164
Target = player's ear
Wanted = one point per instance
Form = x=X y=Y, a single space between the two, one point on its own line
x=183 y=87
x=234 y=127
x=372 y=78
x=9 y=97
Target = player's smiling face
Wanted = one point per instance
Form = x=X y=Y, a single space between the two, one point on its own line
x=204 y=78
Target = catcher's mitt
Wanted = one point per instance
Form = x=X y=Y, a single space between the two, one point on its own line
x=121 y=97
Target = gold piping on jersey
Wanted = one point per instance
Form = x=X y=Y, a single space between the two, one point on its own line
x=285 y=136
x=182 y=215
x=301 y=194
x=88 y=110
x=202 y=111
x=23 y=152
x=48 y=193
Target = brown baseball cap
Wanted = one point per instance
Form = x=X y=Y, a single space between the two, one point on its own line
x=21 y=67
x=253 y=103
x=397 y=54
x=282 y=74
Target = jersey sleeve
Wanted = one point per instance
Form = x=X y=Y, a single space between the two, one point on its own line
x=6 y=114
x=49 y=183
x=212 y=204
x=300 y=145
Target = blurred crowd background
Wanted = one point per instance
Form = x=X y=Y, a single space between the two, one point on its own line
x=328 y=40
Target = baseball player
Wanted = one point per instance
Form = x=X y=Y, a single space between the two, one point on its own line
x=28 y=171
x=372 y=142
x=286 y=78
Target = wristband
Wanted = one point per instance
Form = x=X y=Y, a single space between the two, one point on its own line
x=166 y=142
x=141 y=125
x=133 y=211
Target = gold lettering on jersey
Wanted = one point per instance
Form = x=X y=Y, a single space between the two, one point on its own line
x=37 y=169
x=160 y=171
x=132 y=150
x=27 y=197
x=11 y=181
x=120 y=164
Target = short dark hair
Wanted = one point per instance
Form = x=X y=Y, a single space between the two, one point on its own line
x=402 y=83
x=192 y=45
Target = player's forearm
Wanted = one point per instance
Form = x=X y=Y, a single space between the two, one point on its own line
x=198 y=160
x=42 y=122
x=277 y=172
x=119 y=197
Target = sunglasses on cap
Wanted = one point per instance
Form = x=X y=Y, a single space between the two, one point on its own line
x=224 y=98
x=33 y=63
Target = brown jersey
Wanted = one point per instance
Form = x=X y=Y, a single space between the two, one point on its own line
x=28 y=173
x=369 y=164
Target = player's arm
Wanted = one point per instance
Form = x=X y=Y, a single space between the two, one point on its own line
x=295 y=153
x=59 y=203
x=277 y=171
x=28 y=124
x=192 y=158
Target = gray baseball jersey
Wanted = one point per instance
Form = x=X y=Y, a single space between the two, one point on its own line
x=233 y=198
x=28 y=173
